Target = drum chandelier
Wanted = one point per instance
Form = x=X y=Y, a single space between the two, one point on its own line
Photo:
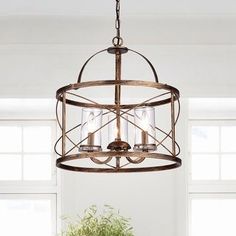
x=124 y=134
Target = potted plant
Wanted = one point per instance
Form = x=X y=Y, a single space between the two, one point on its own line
x=107 y=223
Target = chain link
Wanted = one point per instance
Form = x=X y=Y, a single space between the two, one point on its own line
x=117 y=40
x=117 y=23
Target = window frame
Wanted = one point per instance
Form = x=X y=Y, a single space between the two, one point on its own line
x=36 y=196
x=36 y=189
x=211 y=195
x=218 y=185
x=32 y=183
x=207 y=189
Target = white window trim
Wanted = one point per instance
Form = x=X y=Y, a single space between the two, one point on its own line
x=37 y=189
x=211 y=186
x=31 y=183
x=205 y=196
x=51 y=197
x=203 y=189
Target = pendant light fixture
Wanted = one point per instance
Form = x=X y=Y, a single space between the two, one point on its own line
x=118 y=136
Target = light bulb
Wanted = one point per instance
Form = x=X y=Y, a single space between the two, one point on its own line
x=116 y=131
x=144 y=121
x=91 y=122
x=90 y=130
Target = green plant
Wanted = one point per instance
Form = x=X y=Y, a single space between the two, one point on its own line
x=93 y=223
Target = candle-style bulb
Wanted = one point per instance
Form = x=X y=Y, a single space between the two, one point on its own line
x=144 y=118
x=91 y=122
x=144 y=121
x=90 y=130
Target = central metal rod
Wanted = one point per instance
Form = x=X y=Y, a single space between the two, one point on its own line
x=118 y=93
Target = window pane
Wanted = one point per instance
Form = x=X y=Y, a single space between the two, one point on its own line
x=37 y=139
x=228 y=167
x=10 y=139
x=10 y=167
x=37 y=167
x=228 y=139
x=205 y=139
x=205 y=167
x=213 y=217
x=25 y=217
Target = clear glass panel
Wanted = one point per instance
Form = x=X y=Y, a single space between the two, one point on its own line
x=25 y=217
x=91 y=121
x=205 y=139
x=205 y=167
x=10 y=167
x=37 y=167
x=213 y=217
x=37 y=139
x=228 y=167
x=144 y=117
x=228 y=139
x=10 y=139
x=112 y=130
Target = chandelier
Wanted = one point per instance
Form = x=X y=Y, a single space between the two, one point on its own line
x=119 y=135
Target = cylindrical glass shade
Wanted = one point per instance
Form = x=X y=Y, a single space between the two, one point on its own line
x=144 y=117
x=90 y=133
x=112 y=129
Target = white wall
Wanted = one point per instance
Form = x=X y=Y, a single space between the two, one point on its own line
x=38 y=70
x=147 y=198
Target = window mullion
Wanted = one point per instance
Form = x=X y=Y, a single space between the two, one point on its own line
x=220 y=154
x=22 y=153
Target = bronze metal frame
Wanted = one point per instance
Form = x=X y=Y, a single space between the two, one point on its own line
x=118 y=158
x=118 y=149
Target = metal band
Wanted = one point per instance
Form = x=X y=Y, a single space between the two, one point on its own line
x=176 y=162
x=113 y=82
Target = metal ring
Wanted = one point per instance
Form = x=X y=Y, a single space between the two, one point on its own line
x=119 y=41
x=176 y=162
x=114 y=82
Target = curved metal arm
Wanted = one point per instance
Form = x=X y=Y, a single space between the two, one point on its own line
x=82 y=69
x=90 y=58
x=149 y=63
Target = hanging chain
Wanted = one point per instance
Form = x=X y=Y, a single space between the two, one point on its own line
x=117 y=40
x=117 y=22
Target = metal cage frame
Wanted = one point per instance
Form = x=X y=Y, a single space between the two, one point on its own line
x=66 y=96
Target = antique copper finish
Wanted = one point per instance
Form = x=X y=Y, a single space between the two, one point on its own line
x=118 y=93
x=118 y=148
x=176 y=162
x=118 y=158
x=118 y=145
x=115 y=50
x=138 y=83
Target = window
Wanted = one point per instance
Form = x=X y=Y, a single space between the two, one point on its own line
x=26 y=151
x=213 y=215
x=213 y=151
x=27 y=214
x=28 y=183
x=212 y=174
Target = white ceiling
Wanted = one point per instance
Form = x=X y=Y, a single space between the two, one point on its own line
x=106 y=7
